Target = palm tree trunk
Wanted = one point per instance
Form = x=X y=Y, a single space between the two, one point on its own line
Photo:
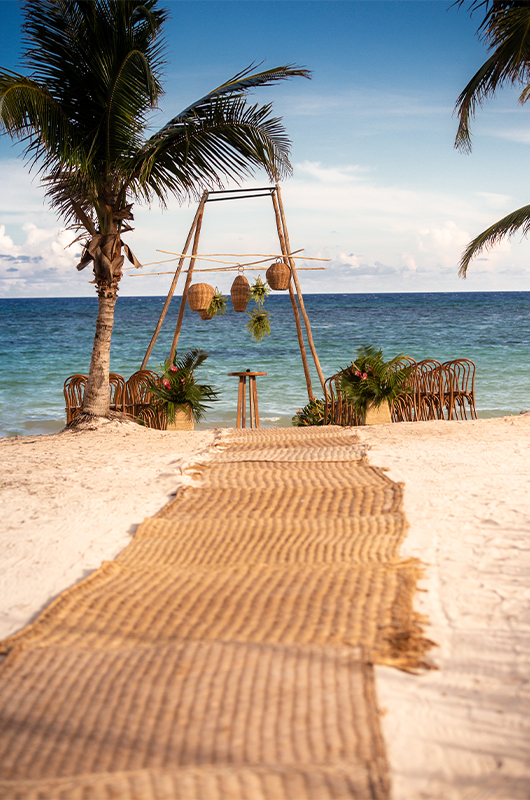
x=96 y=399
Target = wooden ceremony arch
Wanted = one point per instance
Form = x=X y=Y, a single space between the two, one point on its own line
x=283 y=236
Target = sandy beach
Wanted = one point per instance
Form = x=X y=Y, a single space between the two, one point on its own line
x=73 y=500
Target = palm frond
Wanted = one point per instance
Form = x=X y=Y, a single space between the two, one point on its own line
x=516 y=221
x=30 y=113
x=241 y=84
x=191 y=360
x=229 y=141
x=508 y=32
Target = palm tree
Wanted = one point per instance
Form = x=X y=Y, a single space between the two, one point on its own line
x=83 y=114
x=506 y=28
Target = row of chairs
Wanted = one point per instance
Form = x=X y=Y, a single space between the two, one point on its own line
x=435 y=391
x=131 y=397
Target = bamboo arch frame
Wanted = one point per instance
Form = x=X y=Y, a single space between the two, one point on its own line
x=194 y=234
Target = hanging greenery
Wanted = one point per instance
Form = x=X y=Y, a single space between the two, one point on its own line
x=259 y=325
x=218 y=305
x=259 y=291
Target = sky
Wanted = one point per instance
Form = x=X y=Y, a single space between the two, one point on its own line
x=377 y=186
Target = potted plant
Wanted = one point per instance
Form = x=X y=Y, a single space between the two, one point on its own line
x=371 y=384
x=310 y=414
x=180 y=398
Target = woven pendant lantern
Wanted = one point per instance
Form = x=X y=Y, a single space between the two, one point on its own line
x=205 y=314
x=278 y=276
x=200 y=296
x=240 y=293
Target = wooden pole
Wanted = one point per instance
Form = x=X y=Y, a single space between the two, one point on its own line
x=170 y=293
x=299 y=292
x=200 y=214
x=285 y=251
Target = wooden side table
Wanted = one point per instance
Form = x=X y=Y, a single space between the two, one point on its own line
x=242 y=399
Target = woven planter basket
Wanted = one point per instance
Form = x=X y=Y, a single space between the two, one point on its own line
x=278 y=276
x=183 y=421
x=240 y=293
x=205 y=314
x=200 y=296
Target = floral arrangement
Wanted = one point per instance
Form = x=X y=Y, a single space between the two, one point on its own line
x=371 y=381
x=177 y=388
x=259 y=325
x=310 y=414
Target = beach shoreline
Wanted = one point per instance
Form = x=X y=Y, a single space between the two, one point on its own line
x=72 y=500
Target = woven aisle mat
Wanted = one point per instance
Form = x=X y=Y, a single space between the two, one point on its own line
x=307 y=502
x=309 y=433
x=227 y=654
x=191 y=704
x=182 y=540
x=272 y=782
x=286 y=475
x=366 y=605
x=288 y=451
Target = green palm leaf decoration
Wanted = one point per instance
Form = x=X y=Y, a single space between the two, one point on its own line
x=83 y=114
x=506 y=29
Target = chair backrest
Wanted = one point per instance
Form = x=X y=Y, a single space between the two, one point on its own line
x=73 y=390
x=117 y=392
x=338 y=410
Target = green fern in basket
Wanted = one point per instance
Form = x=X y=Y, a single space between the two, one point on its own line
x=370 y=380
x=176 y=387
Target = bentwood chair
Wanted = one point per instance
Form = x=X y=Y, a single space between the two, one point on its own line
x=138 y=399
x=463 y=392
x=117 y=392
x=73 y=390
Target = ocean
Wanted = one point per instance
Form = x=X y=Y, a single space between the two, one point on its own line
x=43 y=341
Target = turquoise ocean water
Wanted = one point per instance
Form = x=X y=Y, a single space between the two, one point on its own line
x=43 y=341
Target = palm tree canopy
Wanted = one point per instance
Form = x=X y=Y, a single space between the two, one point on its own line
x=506 y=29
x=83 y=112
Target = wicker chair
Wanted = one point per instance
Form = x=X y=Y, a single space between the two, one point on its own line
x=117 y=392
x=337 y=409
x=402 y=408
x=463 y=390
x=138 y=399
x=426 y=392
x=73 y=389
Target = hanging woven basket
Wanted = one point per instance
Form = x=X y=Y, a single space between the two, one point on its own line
x=278 y=276
x=200 y=296
x=205 y=314
x=240 y=293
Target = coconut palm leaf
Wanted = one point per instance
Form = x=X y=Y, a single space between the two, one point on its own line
x=229 y=140
x=241 y=84
x=26 y=106
x=507 y=30
x=517 y=220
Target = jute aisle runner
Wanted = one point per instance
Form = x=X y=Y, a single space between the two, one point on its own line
x=228 y=653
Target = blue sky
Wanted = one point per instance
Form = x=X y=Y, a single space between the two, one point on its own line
x=377 y=185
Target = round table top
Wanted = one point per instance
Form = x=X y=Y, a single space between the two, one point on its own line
x=245 y=374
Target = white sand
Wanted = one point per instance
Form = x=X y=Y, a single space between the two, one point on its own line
x=72 y=500
x=464 y=731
